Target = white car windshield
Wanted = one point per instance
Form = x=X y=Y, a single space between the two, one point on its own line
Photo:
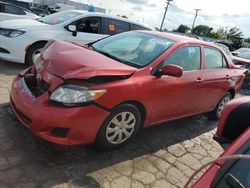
x=133 y=48
x=59 y=17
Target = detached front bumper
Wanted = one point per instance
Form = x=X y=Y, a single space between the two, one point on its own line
x=56 y=124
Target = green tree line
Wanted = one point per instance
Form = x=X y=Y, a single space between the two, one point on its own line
x=204 y=30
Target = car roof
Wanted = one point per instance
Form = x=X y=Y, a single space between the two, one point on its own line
x=110 y=16
x=177 y=38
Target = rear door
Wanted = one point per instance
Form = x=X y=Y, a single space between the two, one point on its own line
x=112 y=26
x=217 y=78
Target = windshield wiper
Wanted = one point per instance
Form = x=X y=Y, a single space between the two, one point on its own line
x=116 y=58
x=109 y=55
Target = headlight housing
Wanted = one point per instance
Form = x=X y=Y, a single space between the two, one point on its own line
x=72 y=95
x=11 y=33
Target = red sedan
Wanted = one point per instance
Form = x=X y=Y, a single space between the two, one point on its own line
x=234 y=125
x=105 y=92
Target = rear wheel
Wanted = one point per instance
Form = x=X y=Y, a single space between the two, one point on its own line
x=33 y=53
x=119 y=128
x=216 y=114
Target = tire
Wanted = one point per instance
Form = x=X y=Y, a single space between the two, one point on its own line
x=116 y=137
x=29 y=58
x=216 y=114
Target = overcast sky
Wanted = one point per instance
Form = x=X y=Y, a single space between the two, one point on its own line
x=215 y=13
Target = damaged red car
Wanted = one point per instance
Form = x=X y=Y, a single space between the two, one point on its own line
x=105 y=92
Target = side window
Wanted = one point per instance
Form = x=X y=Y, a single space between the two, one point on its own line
x=113 y=26
x=189 y=58
x=89 y=25
x=214 y=59
x=13 y=10
x=239 y=172
x=138 y=27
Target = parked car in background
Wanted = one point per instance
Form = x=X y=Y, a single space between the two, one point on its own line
x=21 y=4
x=21 y=42
x=233 y=129
x=40 y=12
x=239 y=60
x=240 y=51
x=105 y=92
x=9 y=11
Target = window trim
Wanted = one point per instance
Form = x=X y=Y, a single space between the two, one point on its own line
x=183 y=46
x=222 y=172
x=222 y=55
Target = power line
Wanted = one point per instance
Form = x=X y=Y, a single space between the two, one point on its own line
x=166 y=9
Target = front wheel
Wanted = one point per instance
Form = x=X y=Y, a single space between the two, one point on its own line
x=216 y=114
x=33 y=53
x=119 y=127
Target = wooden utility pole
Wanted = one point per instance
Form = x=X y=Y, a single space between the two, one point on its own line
x=196 y=14
x=166 y=9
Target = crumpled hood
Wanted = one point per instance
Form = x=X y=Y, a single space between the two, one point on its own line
x=20 y=23
x=70 y=61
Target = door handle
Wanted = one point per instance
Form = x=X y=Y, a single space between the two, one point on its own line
x=199 y=80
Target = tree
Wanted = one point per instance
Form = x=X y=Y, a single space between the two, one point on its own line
x=182 y=29
x=222 y=32
x=202 y=30
x=234 y=32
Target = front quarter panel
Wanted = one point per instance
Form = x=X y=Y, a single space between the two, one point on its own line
x=137 y=88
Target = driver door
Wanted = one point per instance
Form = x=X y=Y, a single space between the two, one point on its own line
x=88 y=30
x=179 y=96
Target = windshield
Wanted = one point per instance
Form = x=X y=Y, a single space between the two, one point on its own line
x=133 y=48
x=59 y=17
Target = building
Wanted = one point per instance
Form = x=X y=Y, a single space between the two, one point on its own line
x=78 y=4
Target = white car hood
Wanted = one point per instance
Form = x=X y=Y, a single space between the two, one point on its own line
x=20 y=23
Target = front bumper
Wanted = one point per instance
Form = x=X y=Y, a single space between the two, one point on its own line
x=56 y=124
x=13 y=49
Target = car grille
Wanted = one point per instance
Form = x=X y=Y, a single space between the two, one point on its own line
x=35 y=85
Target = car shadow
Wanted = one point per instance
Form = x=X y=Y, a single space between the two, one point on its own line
x=10 y=68
x=53 y=164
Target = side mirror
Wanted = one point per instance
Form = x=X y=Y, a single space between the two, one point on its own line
x=72 y=28
x=171 y=70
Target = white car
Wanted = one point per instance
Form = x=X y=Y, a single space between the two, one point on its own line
x=9 y=11
x=22 y=40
